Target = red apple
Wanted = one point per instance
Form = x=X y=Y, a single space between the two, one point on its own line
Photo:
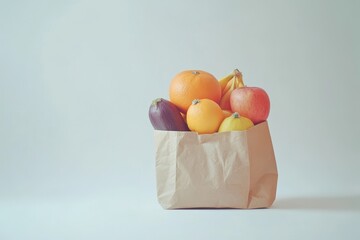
x=251 y=102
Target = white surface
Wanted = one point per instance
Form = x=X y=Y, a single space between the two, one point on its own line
x=118 y=218
x=76 y=145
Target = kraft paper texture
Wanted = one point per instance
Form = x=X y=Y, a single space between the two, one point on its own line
x=221 y=170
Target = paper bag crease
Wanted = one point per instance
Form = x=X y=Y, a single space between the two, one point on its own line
x=221 y=170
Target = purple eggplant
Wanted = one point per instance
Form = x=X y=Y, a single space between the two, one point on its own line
x=164 y=115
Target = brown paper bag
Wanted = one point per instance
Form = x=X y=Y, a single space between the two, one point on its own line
x=221 y=170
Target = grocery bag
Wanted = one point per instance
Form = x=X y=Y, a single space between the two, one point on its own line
x=234 y=169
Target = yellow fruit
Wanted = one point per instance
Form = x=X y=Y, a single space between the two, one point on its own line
x=204 y=116
x=223 y=82
x=235 y=82
x=235 y=123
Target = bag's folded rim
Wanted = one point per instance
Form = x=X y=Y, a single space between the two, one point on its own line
x=218 y=133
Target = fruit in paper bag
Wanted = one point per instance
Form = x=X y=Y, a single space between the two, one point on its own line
x=251 y=102
x=204 y=116
x=193 y=84
x=183 y=116
x=224 y=81
x=235 y=123
x=164 y=115
x=230 y=84
x=227 y=113
x=225 y=101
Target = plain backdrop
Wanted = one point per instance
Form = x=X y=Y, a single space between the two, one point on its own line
x=76 y=146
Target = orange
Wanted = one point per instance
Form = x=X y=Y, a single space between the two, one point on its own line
x=193 y=84
x=204 y=116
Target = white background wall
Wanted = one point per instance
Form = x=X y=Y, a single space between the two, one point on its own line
x=77 y=78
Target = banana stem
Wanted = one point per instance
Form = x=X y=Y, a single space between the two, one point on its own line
x=233 y=84
x=239 y=76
